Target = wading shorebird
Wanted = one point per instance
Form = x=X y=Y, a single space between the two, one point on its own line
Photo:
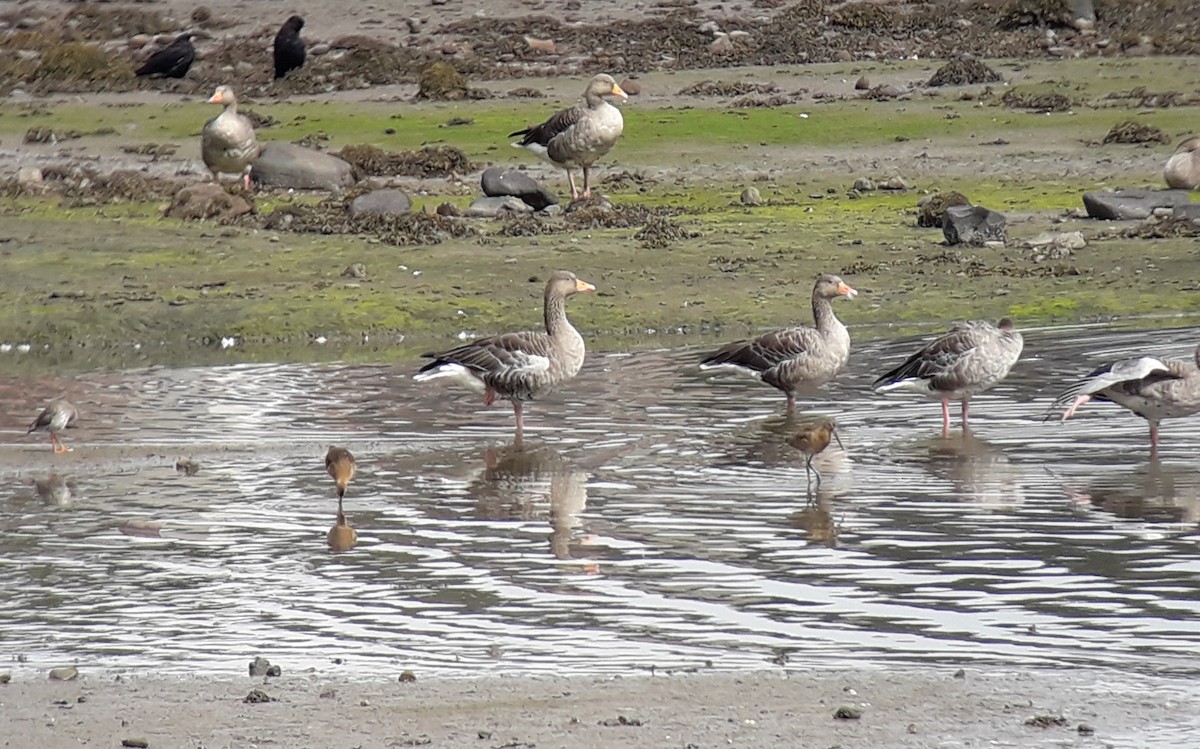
x=969 y=359
x=799 y=357
x=341 y=467
x=812 y=441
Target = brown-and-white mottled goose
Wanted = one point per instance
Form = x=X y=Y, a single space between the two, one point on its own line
x=799 y=357
x=227 y=143
x=58 y=415
x=969 y=359
x=1183 y=168
x=519 y=367
x=1152 y=388
x=580 y=135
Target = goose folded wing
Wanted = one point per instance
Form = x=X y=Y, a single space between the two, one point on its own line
x=559 y=123
x=511 y=353
x=768 y=350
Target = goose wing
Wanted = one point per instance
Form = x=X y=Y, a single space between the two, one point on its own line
x=559 y=123
x=1125 y=374
x=942 y=363
x=766 y=351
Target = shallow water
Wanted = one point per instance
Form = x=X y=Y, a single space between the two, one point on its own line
x=655 y=518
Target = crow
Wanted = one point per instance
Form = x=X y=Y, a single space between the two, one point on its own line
x=172 y=61
x=289 y=47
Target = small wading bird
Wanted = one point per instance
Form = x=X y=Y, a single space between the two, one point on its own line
x=812 y=441
x=289 y=47
x=578 y=136
x=228 y=143
x=58 y=415
x=341 y=467
x=799 y=357
x=172 y=61
x=1152 y=388
x=519 y=367
x=969 y=359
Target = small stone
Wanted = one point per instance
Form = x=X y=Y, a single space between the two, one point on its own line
x=895 y=183
x=1085 y=730
x=29 y=176
x=257 y=696
x=407 y=676
x=912 y=728
x=750 y=196
x=496 y=207
x=862 y=84
x=864 y=184
x=721 y=45
x=630 y=86
x=960 y=674
x=137 y=41
x=544 y=46
x=5 y=677
x=328 y=694
x=187 y=466
x=847 y=713
x=135 y=743
x=448 y=209
x=973 y=225
x=67 y=673
x=274 y=671
x=259 y=666
x=385 y=202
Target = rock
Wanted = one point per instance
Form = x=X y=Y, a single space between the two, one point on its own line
x=750 y=196
x=545 y=46
x=847 y=713
x=5 y=677
x=721 y=45
x=257 y=696
x=355 y=270
x=895 y=183
x=29 y=176
x=499 y=182
x=1085 y=730
x=318 y=49
x=275 y=671
x=551 y=210
x=932 y=210
x=596 y=202
x=259 y=666
x=187 y=466
x=135 y=743
x=449 y=210
x=973 y=225
x=67 y=673
x=290 y=166
x=862 y=84
x=496 y=207
x=386 y=202
x=1082 y=10
x=630 y=86
x=1071 y=240
x=407 y=676
x=1118 y=205
x=1183 y=168
x=207 y=200
x=863 y=184
x=1190 y=211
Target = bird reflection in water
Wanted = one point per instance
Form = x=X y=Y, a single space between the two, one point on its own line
x=537 y=484
x=55 y=489
x=816 y=519
x=1154 y=492
x=341 y=467
x=978 y=470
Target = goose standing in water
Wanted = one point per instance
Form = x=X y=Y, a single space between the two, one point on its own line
x=800 y=357
x=519 y=366
x=968 y=360
x=1152 y=388
x=58 y=415
x=228 y=143
x=580 y=135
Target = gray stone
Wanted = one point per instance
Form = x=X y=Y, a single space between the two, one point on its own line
x=1083 y=10
x=28 y=176
x=1069 y=240
x=863 y=184
x=1191 y=211
x=1119 y=205
x=751 y=196
x=498 y=182
x=386 y=202
x=291 y=166
x=973 y=225
x=495 y=207
x=551 y=211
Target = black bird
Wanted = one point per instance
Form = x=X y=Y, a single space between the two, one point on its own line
x=172 y=61
x=289 y=47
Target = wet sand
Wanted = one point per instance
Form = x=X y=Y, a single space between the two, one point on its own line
x=899 y=708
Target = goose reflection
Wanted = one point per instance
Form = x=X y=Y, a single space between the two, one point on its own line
x=534 y=484
x=1153 y=492
x=55 y=489
x=978 y=470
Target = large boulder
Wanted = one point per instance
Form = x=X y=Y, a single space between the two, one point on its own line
x=1120 y=205
x=296 y=167
x=207 y=200
x=498 y=182
x=973 y=225
x=505 y=205
x=385 y=202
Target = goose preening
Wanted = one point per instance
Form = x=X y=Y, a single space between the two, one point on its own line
x=812 y=441
x=58 y=415
x=519 y=366
x=580 y=135
x=799 y=357
x=227 y=143
x=289 y=47
x=341 y=467
x=1152 y=388
x=969 y=359
x=1183 y=168
x=172 y=61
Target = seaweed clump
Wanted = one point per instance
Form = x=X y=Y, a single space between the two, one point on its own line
x=1135 y=132
x=963 y=72
x=331 y=216
x=430 y=161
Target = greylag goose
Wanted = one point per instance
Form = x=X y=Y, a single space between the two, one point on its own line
x=1152 y=388
x=519 y=366
x=800 y=357
x=1183 y=168
x=812 y=441
x=341 y=467
x=228 y=143
x=579 y=135
x=289 y=47
x=172 y=61
x=969 y=359
x=58 y=415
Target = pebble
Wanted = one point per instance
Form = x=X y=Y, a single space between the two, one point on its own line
x=136 y=743
x=847 y=713
x=862 y=84
x=68 y=673
x=864 y=184
x=407 y=676
x=257 y=696
x=5 y=678
x=630 y=86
